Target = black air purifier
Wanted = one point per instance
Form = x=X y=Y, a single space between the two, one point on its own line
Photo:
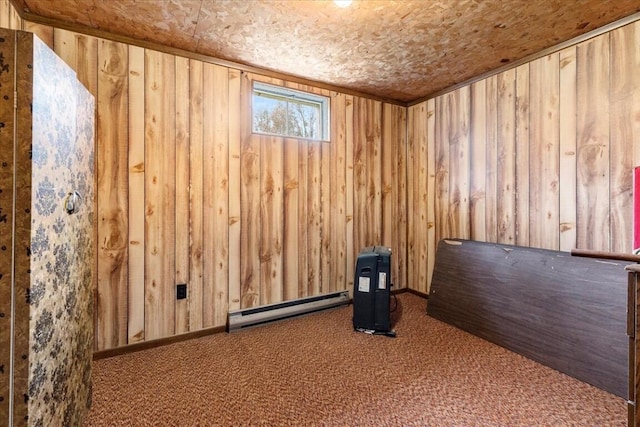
x=372 y=291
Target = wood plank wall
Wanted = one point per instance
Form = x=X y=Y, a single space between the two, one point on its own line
x=187 y=194
x=540 y=155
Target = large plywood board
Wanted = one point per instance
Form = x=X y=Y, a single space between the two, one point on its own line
x=568 y=313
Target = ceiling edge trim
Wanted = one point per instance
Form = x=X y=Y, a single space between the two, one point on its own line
x=553 y=49
x=35 y=19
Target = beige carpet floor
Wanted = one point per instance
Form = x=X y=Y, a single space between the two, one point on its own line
x=316 y=371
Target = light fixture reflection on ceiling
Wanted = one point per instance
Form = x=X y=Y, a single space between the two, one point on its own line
x=342 y=3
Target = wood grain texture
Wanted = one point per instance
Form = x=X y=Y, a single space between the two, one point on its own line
x=478 y=158
x=442 y=176
x=568 y=164
x=271 y=214
x=249 y=205
x=136 y=197
x=349 y=191
x=417 y=202
x=22 y=222
x=565 y=312
x=7 y=167
x=338 y=195
x=506 y=151
x=113 y=204
x=544 y=153
x=235 y=120
x=87 y=62
x=292 y=223
x=196 y=195
x=491 y=155
x=431 y=185
x=624 y=131
x=314 y=218
x=529 y=183
x=160 y=195
x=393 y=159
x=216 y=195
x=538 y=211
x=458 y=111
x=522 y=155
x=592 y=140
x=182 y=195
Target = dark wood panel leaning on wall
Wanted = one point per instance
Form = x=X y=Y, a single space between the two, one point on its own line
x=568 y=313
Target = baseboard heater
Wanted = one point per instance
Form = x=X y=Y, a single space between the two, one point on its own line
x=247 y=317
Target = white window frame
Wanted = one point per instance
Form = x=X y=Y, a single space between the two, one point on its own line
x=293 y=96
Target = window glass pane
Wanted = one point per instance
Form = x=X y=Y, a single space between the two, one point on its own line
x=287 y=112
x=269 y=114
x=306 y=120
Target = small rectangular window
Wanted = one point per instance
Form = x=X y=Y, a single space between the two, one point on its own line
x=287 y=112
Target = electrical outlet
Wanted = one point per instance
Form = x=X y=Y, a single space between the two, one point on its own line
x=181 y=291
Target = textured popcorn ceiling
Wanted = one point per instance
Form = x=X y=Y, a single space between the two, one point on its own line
x=402 y=50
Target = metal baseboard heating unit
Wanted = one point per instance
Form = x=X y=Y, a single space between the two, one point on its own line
x=248 y=317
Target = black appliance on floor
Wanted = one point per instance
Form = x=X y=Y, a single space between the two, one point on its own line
x=372 y=292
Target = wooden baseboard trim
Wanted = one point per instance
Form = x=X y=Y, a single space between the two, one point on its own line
x=145 y=345
x=418 y=293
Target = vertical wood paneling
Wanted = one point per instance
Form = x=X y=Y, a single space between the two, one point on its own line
x=209 y=221
x=412 y=113
x=136 y=241
x=544 y=153
x=442 y=167
x=159 y=195
x=112 y=195
x=44 y=32
x=568 y=149
x=625 y=131
x=418 y=225
x=220 y=189
x=359 y=175
x=64 y=44
x=592 y=140
x=271 y=257
x=458 y=106
x=373 y=138
x=337 y=198
x=182 y=191
x=393 y=217
x=522 y=155
x=215 y=195
x=87 y=62
x=195 y=289
x=303 y=230
x=431 y=185
x=314 y=219
x=478 y=165
x=349 y=191
x=249 y=205
x=235 y=120
x=491 y=160
x=399 y=178
x=506 y=150
x=327 y=190
x=292 y=221
x=9 y=18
